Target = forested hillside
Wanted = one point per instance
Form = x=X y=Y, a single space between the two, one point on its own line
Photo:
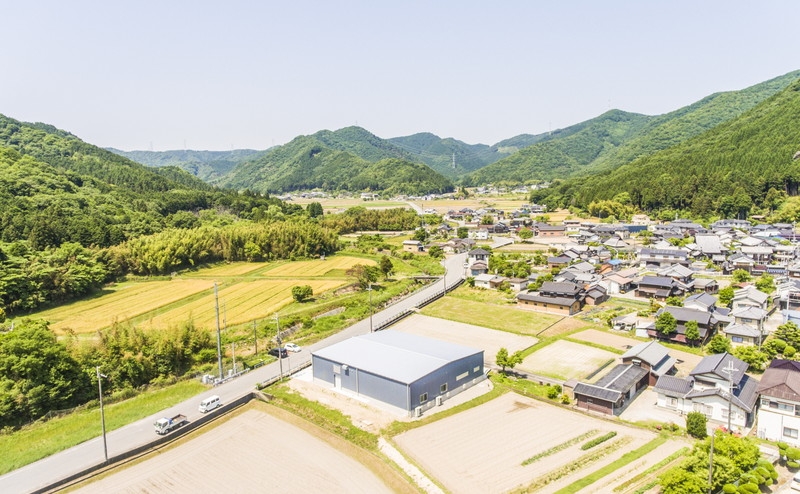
x=441 y=154
x=205 y=165
x=565 y=153
x=737 y=167
x=309 y=162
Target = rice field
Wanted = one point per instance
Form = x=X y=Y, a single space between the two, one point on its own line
x=125 y=301
x=246 y=291
x=316 y=267
x=239 y=303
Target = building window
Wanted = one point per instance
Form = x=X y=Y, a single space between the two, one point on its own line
x=423 y=398
x=789 y=432
x=672 y=402
x=737 y=339
x=443 y=388
x=462 y=376
x=785 y=407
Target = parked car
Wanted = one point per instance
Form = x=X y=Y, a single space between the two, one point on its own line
x=293 y=347
x=275 y=352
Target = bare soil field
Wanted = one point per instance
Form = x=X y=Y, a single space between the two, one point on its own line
x=481 y=450
x=686 y=361
x=565 y=325
x=253 y=452
x=566 y=360
x=488 y=340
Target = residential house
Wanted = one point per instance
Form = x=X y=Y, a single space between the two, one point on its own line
x=613 y=391
x=659 y=287
x=488 y=281
x=707 y=324
x=595 y=295
x=750 y=296
x=518 y=284
x=561 y=298
x=706 y=285
x=545 y=230
x=708 y=390
x=477 y=255
x=739 y=261
x=779 y=392
x=413 y=246
x=558 y=261
x=653 y=357
x=680 y=273
x=655 y=258
x=742 y=334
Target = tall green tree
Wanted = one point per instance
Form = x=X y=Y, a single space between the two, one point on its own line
x=666 y=324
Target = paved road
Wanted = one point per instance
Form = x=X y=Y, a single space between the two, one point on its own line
x=47 y=471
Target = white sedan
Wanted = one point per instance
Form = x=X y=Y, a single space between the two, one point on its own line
x=292 y=347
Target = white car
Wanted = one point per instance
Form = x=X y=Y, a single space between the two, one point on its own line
x=293 y=347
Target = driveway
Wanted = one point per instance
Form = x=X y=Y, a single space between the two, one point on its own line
x=643 y=408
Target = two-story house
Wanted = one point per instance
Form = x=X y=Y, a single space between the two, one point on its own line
x=561 y=298
x=717 y=387
x=779 y=392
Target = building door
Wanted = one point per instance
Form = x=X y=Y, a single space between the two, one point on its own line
x=337 y=381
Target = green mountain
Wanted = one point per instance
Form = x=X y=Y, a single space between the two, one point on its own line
x=205 y=165
x=564 y=153
x=55 y=188
x=738 y=166
x=349 y=159
x=450 y=157
x=616 y=137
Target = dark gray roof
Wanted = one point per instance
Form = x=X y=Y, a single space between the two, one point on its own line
x=683 y=314
x=781 y=380
x=744 y=395
x=702 y=299
x=565 y=287
x=399 y=356
x=742 y=330
x=477 y=252
x=563 y=301
x=622 y=378
x=597 y=392
x=673 y=386
x=654 y=354
x=660 y=281
x=714 y=365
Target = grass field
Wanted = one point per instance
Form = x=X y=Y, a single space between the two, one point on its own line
x=505 y=318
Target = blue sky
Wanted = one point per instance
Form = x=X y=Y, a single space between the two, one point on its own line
x=219 y=75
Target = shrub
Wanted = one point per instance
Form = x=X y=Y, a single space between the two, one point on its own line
x=696 y=425
x=565 y=399
x=729 y=489
x=792 y=465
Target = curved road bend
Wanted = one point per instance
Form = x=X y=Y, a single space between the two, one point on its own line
x=47 y=471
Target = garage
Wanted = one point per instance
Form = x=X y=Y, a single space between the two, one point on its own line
x=407 y=372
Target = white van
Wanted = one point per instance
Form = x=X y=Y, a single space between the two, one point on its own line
x=209 y=404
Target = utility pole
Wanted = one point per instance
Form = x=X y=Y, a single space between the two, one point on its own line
x=233 y=351
x=255 y=337
x=369 y=289
x=278 y=339
x=100 y=378
x=711 y=463
x=219 y=334
x=729 y=370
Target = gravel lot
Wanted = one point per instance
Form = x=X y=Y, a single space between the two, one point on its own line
x=488 y=340
x=253 y=452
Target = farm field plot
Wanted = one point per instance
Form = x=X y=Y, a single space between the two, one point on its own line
x=566 y=360
x=481 y=450
x=242 y=302
x=316 y=268
x=126 y=302
x=490 y=315
x=488 y=340
x=226 y=270
x=253 y=452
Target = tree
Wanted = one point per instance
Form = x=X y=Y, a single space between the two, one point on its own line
x=436 y=252
x=386 y=266
x=692 y=331
x=752 y=356
x=666 y=323
x=674 y=301
x=765 y=283
x=462 y=232
x=725 y=296
x=741 y=276
x=420 y=234
x=314 y=209
x=364 y=275
x=504 y=360
x=696 y=425
x=525 y=233
x=718 y=344
x=301 y=293
x=789 y=333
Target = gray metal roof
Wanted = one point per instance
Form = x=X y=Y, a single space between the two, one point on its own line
x=673 y=386
x=562 y=301
x=398 y=356
x=744 y=395
x=714 y=364
x=742 y=330
x=654 y=354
